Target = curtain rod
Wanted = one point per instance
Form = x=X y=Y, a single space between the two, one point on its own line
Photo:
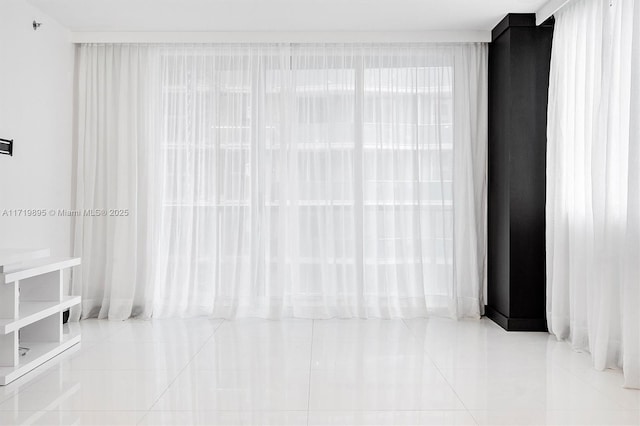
x=479 y=36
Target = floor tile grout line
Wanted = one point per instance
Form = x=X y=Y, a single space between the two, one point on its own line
x=313 y=323
x=409 y=329
x=181 y=371
x=439 y=371
x=475 y=420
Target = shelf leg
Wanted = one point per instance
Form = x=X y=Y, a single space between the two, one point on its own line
x=9 y=350
x=9 y=300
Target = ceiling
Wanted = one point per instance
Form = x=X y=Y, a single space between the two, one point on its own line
x=282 y=15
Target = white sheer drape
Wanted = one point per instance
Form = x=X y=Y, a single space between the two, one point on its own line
x=313 y=181
x=593 y=185
x=114 y=172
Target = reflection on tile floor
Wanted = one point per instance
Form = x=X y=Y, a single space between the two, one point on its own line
x=324 y=372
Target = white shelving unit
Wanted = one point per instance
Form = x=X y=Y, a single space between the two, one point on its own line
x=31 y=307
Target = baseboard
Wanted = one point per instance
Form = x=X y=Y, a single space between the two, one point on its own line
x=515 y=324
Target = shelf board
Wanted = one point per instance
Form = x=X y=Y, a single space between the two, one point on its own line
x=31 y=312
x=11 y=256
x=39 y=353
x=38 y=267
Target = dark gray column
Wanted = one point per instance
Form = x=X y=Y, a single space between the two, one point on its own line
x=519 y=57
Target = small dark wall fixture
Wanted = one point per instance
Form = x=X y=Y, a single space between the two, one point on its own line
x=519 y=58
x=6 y=146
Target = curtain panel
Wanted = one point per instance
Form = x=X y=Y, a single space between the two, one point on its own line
x=114 y=170
x=310 y=181
x=593 y=183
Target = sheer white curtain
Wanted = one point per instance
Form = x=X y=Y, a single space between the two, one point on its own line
x=593 y=183
x=113 y=231
x=220 y=137
x=316 y=180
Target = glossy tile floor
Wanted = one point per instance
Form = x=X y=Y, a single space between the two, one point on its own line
x=324 y=372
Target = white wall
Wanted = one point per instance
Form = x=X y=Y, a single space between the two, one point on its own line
x=36 y=97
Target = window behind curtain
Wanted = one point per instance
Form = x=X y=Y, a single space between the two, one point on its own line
x=290 y=177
